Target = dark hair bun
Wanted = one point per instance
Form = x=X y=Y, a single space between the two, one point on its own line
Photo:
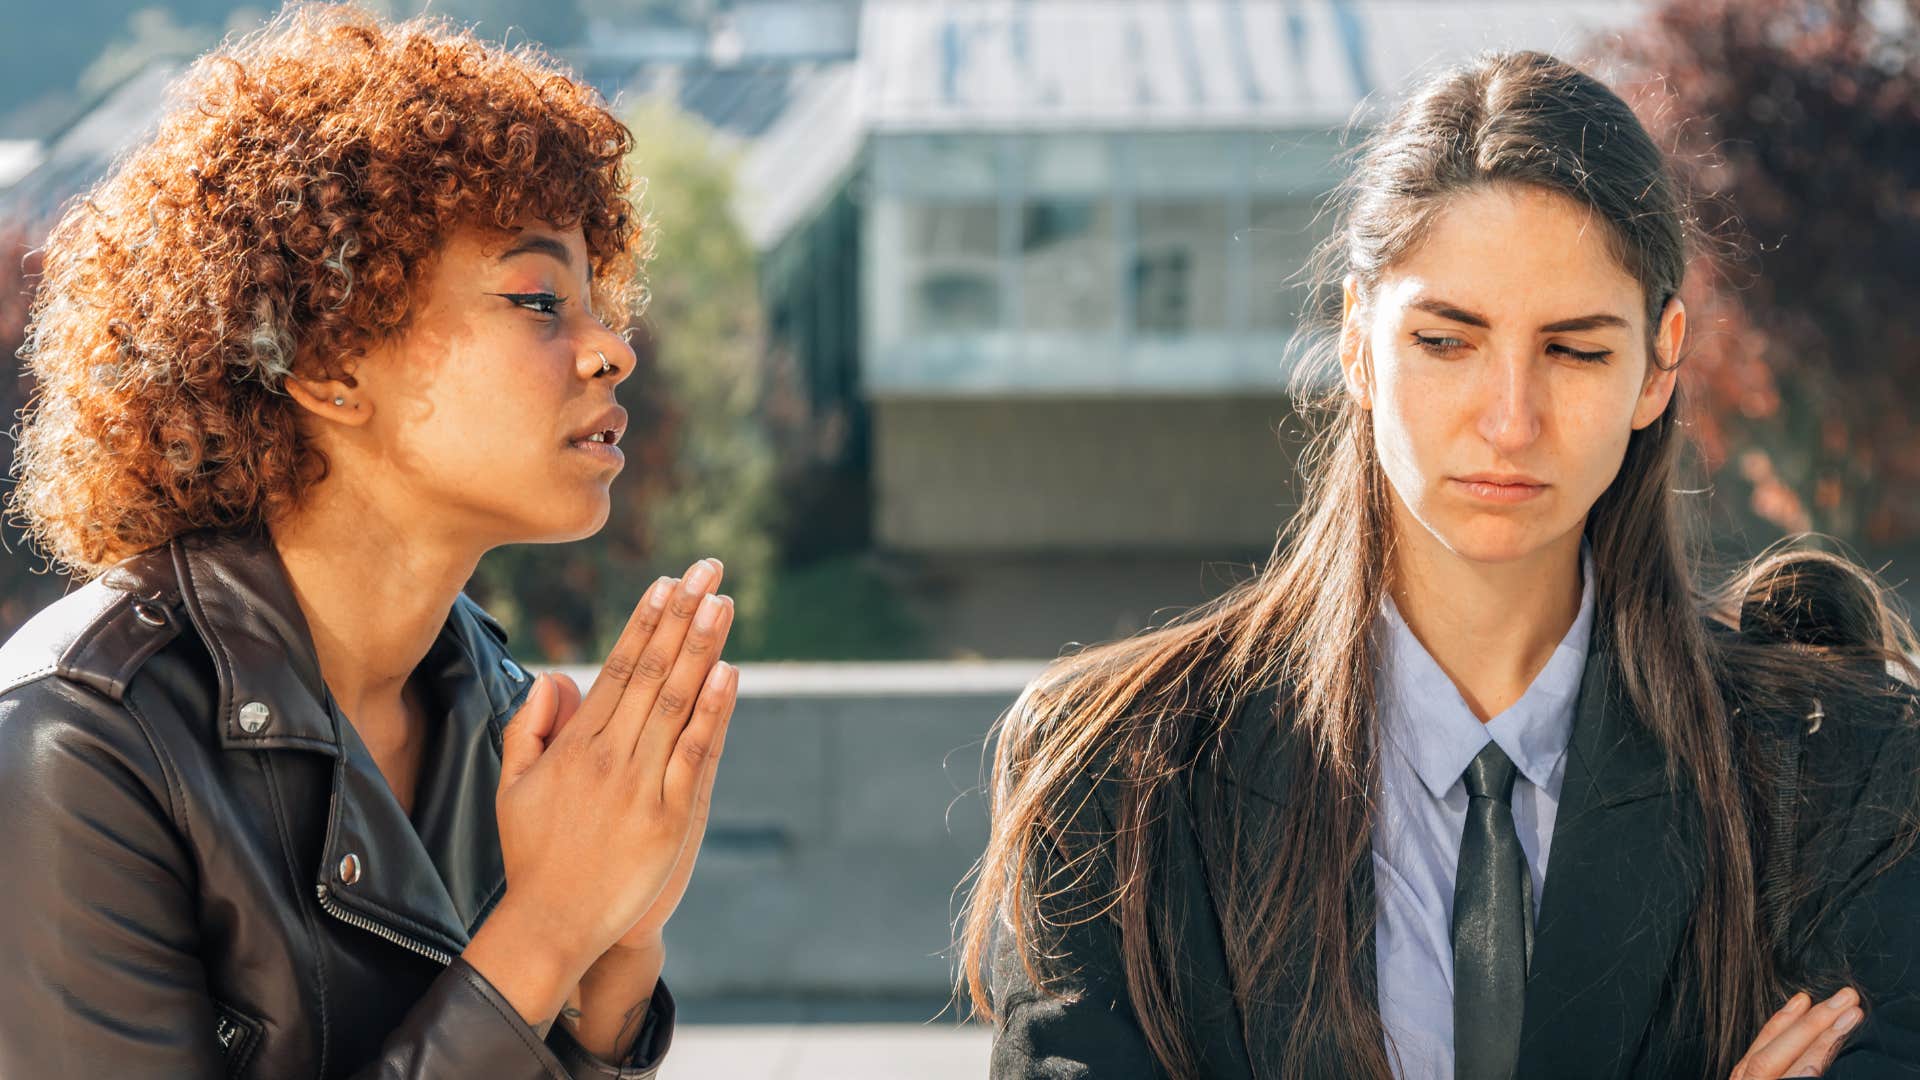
x=1812 y=598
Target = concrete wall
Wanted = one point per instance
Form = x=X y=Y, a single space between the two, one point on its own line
x=1102 y=474
x=845 y=815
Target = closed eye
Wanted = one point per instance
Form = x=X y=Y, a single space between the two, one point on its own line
x=544 y=303
x=1439 y=344
x=1585 y=357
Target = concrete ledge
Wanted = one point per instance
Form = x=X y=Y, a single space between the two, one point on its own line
x=871 y=679
x=849 y=809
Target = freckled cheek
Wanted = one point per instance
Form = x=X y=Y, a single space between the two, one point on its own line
x=1592 y=442
x=1416 y=416
x=1406 y=451
x=490 y=429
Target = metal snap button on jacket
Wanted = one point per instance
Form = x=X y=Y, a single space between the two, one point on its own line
x=149 y=613
x=254 y=716
x=512 y=669
x=349 y=869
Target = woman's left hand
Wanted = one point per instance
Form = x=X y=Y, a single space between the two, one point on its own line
x=1802 y=1038
x=645 y=934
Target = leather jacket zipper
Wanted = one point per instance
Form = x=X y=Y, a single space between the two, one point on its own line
x=327 y=903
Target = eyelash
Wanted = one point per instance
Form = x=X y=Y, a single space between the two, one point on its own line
x=524 y=299
x=1443 y=346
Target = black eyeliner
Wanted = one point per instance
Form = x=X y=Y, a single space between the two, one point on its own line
x=523 y=299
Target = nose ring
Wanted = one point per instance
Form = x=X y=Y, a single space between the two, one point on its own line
x=605 y=367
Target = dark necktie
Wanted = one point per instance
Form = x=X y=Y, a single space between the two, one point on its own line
x=1492 y=925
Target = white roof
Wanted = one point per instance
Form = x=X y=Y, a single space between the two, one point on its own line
x=797 y=164
x=75 y=157
x=1129 y=65
x=17 y=158
x=944 y=65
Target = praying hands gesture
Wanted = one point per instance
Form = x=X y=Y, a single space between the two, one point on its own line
x=602 y=805
x=1801 y=1039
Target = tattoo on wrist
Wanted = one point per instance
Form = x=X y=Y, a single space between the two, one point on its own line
x=630 y=1026
x=568 y=1013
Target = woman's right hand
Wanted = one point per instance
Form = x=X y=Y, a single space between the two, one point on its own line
x=594 y=816
x=1802 y=1038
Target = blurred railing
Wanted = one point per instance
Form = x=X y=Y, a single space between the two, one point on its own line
x=847 y=811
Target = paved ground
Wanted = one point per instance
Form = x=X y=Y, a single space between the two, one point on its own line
x=773 y=1040
x=826 y=1052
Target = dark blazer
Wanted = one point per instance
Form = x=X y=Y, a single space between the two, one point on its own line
x=203 y=873
x=1604 y=997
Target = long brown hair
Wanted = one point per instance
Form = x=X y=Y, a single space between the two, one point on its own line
x=1137 y=711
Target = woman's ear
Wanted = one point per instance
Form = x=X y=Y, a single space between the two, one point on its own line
x=1663 y=367
x=1353 y=352
x=336 y=400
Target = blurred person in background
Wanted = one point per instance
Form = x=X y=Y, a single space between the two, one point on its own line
x=1472 y=781
x=278 y=801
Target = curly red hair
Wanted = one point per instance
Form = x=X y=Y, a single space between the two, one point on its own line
x=280 y=220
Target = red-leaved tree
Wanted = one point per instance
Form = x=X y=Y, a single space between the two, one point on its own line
x=1798 y=122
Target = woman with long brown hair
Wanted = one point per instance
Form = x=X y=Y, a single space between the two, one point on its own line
x=1472 y=779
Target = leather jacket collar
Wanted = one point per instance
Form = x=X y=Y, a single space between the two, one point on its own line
x=236 y=593
x=423 y=882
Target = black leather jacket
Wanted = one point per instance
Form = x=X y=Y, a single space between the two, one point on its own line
x=203 y=873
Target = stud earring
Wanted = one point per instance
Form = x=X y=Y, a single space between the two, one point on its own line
x=339 y=401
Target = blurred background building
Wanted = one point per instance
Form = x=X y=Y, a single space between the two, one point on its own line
x=983 y=351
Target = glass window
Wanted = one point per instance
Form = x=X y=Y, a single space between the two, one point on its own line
x=963 y=165
x=1279 y=241
x=1205 y=163
x=1067 y=264
x=1067 y=165
x=1298 y=165
x=1179 y=272
x=952 y=267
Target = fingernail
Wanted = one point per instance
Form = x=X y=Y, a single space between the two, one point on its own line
x=699 y=576
x=1798 y=1001
x=1847 y=1022
x=1841 y=1000
x=717 y=678
x=657 y=592
x=703 y=619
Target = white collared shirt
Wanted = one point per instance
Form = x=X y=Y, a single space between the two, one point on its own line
x=1430 y=736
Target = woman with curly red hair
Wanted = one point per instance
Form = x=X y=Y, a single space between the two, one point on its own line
x=350 y=318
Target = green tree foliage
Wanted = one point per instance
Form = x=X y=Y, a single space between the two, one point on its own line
x=1799 y=120
x=699 y=476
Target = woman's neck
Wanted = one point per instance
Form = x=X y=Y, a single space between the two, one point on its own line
x=1491 y=627
x=375 y=593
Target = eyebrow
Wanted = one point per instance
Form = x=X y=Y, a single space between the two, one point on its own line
x=1564 y=326
x=544 y=245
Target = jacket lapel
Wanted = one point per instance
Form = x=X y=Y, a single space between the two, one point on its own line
x=423 y=883
x=433 y=876
x=1622 y=874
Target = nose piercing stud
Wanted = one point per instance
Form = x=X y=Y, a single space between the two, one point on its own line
x=339 y=401
x=605 y=367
